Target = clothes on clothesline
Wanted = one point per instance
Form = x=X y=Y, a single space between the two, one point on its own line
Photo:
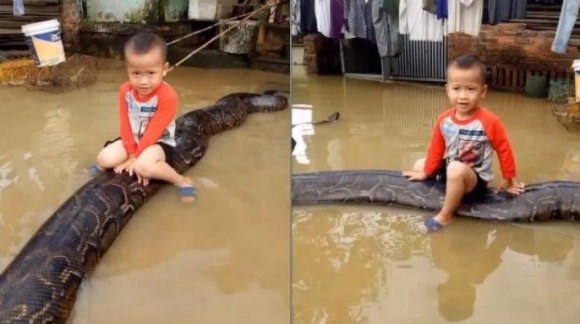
x=308 y=24
x=568 y=17
x=295 y=17
x=504 y=10
x=322 y=12
x=441 y=6
x=419 y=24
x=391 y=6
x=358 y=18
x=384 y=21
x=336 y=18
x=430 y=6
x=465 y=16
x=386 y=26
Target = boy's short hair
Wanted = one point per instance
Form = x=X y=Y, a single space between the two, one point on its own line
x=468 y=62
x=145 y=41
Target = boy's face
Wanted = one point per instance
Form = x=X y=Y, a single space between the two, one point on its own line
x=146 y=71
x=465 y=88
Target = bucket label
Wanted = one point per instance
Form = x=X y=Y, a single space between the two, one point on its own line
x=48 y=37
x=46 y=48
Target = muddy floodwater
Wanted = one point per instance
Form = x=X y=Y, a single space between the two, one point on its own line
x=212 y=261
x=357 y=264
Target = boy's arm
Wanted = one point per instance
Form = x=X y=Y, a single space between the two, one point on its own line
x=125 y=126
x=500 y=143
x=436 y=150
x=166 y=110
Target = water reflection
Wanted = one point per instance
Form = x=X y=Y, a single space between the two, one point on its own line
x=373 y=268
x=485 y=245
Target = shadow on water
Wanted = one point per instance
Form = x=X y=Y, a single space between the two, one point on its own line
x=357 y=264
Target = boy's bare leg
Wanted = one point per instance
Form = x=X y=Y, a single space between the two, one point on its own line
x=461 y=180
x=111 y=156
x=151 y=164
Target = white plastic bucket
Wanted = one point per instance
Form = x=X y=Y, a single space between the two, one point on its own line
x=43 y=39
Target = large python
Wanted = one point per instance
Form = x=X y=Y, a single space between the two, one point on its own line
x=40 y=285
x=557 y=200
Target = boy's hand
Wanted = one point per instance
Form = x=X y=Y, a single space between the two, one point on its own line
x=512 y=187
x=126 y=166
x=142 y=180
x=415 y=175
x=129 y=167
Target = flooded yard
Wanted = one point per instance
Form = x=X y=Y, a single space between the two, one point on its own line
x=360 y=264
x=209 y=262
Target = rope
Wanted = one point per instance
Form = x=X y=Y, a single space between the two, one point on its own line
x=248 y=16
x=207 y=28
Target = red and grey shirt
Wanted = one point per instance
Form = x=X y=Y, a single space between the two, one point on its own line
x=145 y=121
x=472 y=142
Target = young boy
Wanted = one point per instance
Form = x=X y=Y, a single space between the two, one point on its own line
x=147 y=109
x=463 y=141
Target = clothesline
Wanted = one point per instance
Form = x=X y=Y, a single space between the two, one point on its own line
x=384 y=21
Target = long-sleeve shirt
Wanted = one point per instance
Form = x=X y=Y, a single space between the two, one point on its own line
x=472 y=142
x=146 y=121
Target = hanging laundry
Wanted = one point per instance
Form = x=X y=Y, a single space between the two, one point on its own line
x=295 y=17
x=504 y=10
x=419 y=24
x=441 y=9
x=499 y=11
x=308 y=24
x=519 y=9
x=391 y=6
x=386 y=30
x=322 y=12
x=465 y=16
x=336 y=18
x=429 y=6
x=568 y=17
x=359 y=21
x=18 y=8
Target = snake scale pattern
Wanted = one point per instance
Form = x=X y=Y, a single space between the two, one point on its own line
x=40 y=284
x=557 y=200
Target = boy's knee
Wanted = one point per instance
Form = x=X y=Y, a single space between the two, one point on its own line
x=144 y=167
x=105 y=161
x=457 y=170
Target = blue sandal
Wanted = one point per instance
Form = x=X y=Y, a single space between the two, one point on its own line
x=93 y=170
x=432 y=225
x=186 y=192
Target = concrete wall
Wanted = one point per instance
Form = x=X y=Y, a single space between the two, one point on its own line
x=135 y=11
x=174 y=10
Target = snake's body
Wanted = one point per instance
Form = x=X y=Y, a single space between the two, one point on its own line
x=40 y=285
x=558 y=200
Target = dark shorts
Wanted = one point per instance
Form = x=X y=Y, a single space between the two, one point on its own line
x=167 y=149
x=478 y=191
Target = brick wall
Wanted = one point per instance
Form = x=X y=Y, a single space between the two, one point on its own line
x=513 y=46
x=70 y=20
x=321 y=55
x=311 y=43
